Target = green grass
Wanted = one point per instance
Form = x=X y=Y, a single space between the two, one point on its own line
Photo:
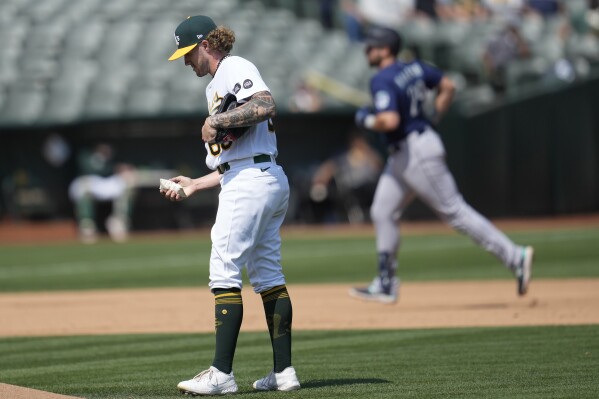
x=524 y=362
x=172 y=261
x=521 y=362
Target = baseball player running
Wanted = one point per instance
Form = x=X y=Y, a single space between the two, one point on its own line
x=416 y=166
x=252 y=205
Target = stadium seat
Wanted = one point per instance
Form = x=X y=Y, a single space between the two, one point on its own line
x=119 y=43
x=107 y=93
x=87 y=40
x=144 y=101
x=24 y=104
x=122 y=45
x=475 y=98
x=586 y=46
x=66 y=104
x=521 y=74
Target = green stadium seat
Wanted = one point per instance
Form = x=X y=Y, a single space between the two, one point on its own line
x=107 y=93
x=475 y=98
x=65 y=103
x=87 y=40
x=24 y=104
x=551 y=48
x=586 y=46
x=144 y=101
x=121 y=46
x=522 y=74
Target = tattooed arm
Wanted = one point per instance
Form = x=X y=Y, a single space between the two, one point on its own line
x=259 y=107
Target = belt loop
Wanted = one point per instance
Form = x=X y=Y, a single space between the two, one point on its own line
x=223 y=167
x=394 y=147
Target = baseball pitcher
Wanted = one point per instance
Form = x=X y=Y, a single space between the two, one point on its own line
x=241 y=148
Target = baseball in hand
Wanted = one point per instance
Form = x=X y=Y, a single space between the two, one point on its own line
x=171 y=185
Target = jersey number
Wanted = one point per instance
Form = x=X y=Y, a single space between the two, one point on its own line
x=216 y=149
x=417 y=94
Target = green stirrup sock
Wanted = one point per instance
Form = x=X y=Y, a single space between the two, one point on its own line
x=85 y=208
x=228 y=313
x=278 y=312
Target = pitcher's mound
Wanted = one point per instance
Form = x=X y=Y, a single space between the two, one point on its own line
x=14 y=392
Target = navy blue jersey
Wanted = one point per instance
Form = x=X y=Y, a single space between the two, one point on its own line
x=545 y=7
x=402 y=88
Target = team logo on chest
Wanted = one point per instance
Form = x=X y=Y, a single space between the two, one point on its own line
x=216 y=100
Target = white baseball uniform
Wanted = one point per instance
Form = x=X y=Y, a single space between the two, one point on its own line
x=254 y=190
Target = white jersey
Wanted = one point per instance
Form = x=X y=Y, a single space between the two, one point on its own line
x=238 y=76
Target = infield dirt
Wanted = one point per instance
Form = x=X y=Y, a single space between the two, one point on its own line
x=316 y=307
x=319 y=306
x=8 y=391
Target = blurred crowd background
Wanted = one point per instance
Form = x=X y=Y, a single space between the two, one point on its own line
x=80 y=76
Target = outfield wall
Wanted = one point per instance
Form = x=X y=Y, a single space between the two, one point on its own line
x=538 y=154
x=535 y=155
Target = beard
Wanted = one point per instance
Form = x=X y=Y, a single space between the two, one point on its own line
x=375 y=61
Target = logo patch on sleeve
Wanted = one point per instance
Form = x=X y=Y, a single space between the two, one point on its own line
x=236 y=88
x=382 y=100
x=247 y=84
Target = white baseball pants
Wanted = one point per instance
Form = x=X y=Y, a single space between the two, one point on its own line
x=252 y=206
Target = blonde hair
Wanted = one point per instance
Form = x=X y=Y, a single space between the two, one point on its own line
x=221 y=39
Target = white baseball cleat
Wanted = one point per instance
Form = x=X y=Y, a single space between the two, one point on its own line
x=523 y=270
x=117 y=229
x=209 y=382
x=375 y=291
x=286 y=380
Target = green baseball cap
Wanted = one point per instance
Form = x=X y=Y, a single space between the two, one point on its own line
x=191 y=32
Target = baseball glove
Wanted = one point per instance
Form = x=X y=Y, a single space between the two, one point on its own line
x=225 y=135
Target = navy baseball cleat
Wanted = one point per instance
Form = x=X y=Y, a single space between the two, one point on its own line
x=523 y=270
x=375 y=291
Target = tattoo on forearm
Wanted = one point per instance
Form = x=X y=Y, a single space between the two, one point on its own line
x=259 y=108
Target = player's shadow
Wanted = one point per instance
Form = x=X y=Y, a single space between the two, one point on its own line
x=342 y=381
x=329 y=383
x=474 y=306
